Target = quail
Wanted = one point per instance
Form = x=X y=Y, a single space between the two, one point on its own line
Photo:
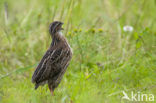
x=55 y=61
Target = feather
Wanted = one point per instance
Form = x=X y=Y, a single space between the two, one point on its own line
x=43 y=70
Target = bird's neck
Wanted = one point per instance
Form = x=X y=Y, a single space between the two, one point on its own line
x=58 y=37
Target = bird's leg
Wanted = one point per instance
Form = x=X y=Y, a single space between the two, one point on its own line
x=51 y=91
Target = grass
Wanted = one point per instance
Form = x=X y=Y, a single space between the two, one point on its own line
x=106 y=59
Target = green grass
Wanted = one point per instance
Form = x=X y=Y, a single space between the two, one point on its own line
x=106 y=60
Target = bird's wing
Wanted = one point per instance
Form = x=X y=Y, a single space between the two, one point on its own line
x=43 y=70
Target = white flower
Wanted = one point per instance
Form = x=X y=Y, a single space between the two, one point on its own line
x=128 y=28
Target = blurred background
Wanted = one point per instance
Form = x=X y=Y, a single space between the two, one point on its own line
x=114 y=44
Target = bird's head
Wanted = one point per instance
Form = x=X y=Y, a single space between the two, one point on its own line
x=55 y=27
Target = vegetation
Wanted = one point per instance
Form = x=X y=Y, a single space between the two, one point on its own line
x=106 y=59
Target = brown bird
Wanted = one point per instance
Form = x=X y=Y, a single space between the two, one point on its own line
x=54 y=63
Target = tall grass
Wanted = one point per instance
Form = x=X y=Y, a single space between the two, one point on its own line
x=106 y=59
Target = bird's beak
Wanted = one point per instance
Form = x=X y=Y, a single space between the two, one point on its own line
x=61 y=26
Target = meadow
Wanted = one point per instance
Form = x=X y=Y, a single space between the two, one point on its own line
x=106 y=59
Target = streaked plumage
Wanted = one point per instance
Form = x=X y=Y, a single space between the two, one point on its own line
x=55 y=61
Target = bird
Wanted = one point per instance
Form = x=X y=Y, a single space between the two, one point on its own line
x=55 y=61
